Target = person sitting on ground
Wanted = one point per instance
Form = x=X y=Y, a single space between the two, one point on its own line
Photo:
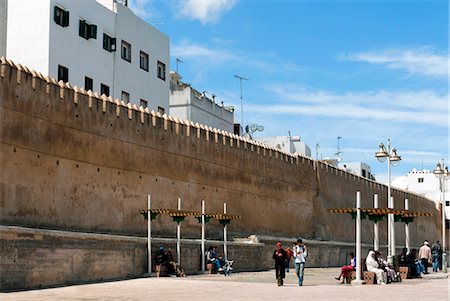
x=347 y=269
x=160 y=260
x=372 y=266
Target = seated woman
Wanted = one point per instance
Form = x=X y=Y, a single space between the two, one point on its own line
x=347 y=269
x=372 y=266
x=384 y=265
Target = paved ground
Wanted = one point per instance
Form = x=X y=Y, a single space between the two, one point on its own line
x=319 y=285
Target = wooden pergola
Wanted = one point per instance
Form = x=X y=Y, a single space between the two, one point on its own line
x=377 y=214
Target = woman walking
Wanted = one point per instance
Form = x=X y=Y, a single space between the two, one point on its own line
x=279 y=255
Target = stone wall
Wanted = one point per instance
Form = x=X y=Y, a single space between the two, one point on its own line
x=75 y=161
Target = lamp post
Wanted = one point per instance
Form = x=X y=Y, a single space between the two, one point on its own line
x=392 y=158
x=442 y=173
x=240 y=78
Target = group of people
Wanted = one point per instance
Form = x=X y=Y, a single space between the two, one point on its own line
x=282 y=259
x=418 y=263
x=384 y=271
x=164 y=258
x=219 y=263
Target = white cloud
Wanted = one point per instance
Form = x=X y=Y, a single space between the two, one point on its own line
x=419 y=61
x=206 y=11
x=418 y=107
x=190 y=50
x=143 y=9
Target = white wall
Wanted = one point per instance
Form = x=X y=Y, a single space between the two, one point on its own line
x=28 y=33
x=3 y=26
x=35 y=40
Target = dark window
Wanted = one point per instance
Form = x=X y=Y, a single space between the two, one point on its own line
x=363 y=173
x=61 y=17
x=161 y=110
x=447 y=224
x=104 y=89
x=419 y=180
x=125 y=97
x=88 y=31
x=447 y=203
x=63 y=73
x=144 y=61
x=144 y=103
x=126 y=51
x=161 y=70
x=109 y=43
x=88 y=83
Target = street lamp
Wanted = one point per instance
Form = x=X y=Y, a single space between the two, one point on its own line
x=442 y=173
x=392 y=158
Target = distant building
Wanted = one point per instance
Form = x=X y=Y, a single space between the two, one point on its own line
x=425 y=183
x=100 y=45
x=189 y=104
x=3 y=26
x=358 y=168
x=290 y=144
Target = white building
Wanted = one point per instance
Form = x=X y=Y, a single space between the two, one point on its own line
x=290 y=144
x=100 y=45
x=358 y=168
x=3 y=26
x=425 y=183
x=188 y=103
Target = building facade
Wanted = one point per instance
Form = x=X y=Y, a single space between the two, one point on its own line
x=358 y=168
x=100 y=45
x=424 y=182
x=3 y=26
x=189 y=104
x=290 y=144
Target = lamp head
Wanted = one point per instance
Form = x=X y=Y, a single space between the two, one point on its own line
x=381 y=154
x=395 y=159
x=439 y=171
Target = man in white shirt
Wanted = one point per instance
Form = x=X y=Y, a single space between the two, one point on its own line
x=300 y=254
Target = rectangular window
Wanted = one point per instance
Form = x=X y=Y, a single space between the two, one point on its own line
x=447 y=203
x=161 y=70
x=125 y=97
x=161 y=110
x=63 y=73
x=104 y=89
x=88 y=83
x=144 y=103
x=87 y=31
x=61 y=17
x=419 y=180
x=144 y=61
x=109 y=43
x=126 y=51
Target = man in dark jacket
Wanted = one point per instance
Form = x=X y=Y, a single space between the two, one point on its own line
x=436 y=252
x=279 y=255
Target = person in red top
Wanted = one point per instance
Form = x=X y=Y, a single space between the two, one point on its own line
x=347 y=269
x=279 y=255
x=287 y=262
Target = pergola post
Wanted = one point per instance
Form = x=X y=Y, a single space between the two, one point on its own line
x=203 y=235
x=376 y=239
x=149 y=236
x=358 y=281
x=179 y=235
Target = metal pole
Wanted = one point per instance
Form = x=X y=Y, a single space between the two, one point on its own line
x=390 y=216
x=392 y=232
x=407 y=239
x=179 y=236
x=149 y=236
x=225 y=251
x=358 y=240
x=444 y=255
x=203 y=235
x=376 y=239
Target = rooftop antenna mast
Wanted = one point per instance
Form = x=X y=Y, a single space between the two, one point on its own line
x=178 y=61
x=242 y=103
x=339 y=153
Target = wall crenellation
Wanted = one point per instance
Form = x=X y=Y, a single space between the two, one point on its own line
x=78 y=95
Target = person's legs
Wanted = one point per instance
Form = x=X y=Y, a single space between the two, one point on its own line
x=425 y=264
x=297 y=270
x=301 y=273
x=435 y=263
x=217 y=263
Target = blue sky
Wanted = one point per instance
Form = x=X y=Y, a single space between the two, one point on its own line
x=362 y=70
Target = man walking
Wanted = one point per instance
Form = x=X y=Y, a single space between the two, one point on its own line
x=279 y=255
x=425 y=255
x=300 y=254
x=436 y=254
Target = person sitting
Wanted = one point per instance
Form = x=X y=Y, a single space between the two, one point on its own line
x=372 y=266
x=211 y=257
x=347 y=269
x=160 y=260
x=384 y=265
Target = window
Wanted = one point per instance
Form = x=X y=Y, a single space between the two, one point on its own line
x=447 y=203
x=104 y=89
x=87 y=31
x=109 y=43
x=126 y=51
x=419 y=180
x=63 y=73
x=144 y=61
x=88 y=83
x=144 y=103
x=125 y=97
x=161 y=70
x=161 y=110
x=364 y=173
x=61 y=17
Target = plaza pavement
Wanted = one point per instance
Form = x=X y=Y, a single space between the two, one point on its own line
x=319 y=284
